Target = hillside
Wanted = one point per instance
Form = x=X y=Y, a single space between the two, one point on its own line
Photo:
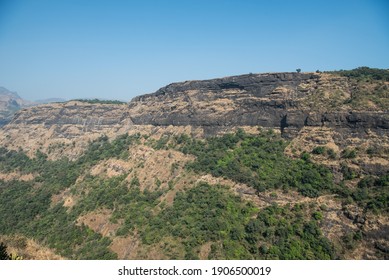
x=10 y=102
x=258 y=166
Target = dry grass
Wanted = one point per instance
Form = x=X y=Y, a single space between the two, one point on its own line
x=28 y=249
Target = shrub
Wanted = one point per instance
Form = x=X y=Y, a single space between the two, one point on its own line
x=347 y=172
x=365 y=72
x=3 y=252
x=305 y=156
x=331 y=153
x=349 y=153
x=317 y=216
x=319 y=150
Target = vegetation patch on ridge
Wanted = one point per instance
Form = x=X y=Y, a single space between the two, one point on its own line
x=200 y=215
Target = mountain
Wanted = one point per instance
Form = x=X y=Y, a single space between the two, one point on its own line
x=10 y=102
x=257 y=166
x=285 y=101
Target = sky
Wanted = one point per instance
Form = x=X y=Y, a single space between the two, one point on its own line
x=113 y=49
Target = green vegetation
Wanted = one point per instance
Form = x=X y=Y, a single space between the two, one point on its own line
x=12 y=160
x=99 y=101
x=285 y=233
x=257 y=161
x=347 y=172
x=369 y=87
x=3 y=252
x=26 y=209
x=102 y=149
x=363 y=88
x=25 y=206
x=208 y=213
x=349 y=153
x=319 y=150
x=365 y=73
x=372 y=193
x=322 y=150
x=200 y=215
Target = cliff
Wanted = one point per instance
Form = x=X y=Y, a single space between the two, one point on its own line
x=63 y=129
x=286 y=101
x=139 y=177
x=310 y=108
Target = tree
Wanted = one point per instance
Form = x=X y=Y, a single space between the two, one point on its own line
x=3 y=252
x=298 y=70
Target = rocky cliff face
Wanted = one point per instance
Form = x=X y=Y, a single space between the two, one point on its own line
x=339 y=122
x=252 y=100
x=76 y=113
x=311 y=109
x=279 y=100
x=300 y=105
x=285 y=101
x=63 y=129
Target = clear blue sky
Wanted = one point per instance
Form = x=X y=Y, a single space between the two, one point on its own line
x=120 y=49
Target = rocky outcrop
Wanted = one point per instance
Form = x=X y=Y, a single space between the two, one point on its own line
x=311 y=109
x=276 y=100
x=248 y=100
x=63 y=129
x=288 y=102
x=87 y=115
x=314 y=109
x=285 y=101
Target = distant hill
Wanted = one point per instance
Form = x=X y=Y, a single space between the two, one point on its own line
x=11 y=102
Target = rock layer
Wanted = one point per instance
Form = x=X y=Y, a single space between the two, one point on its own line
x=277 y=100
x=287 y=102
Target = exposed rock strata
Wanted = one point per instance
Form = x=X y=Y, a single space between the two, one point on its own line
x=269 y=100
x=287 y=102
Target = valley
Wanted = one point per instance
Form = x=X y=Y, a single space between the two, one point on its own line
x=257 y=166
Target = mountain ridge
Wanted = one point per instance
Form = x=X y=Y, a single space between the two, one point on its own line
x=11 y=102
x=130 y=181
x=287 y=102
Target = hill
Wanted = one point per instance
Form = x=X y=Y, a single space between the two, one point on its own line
x=258 y=166
x=10 y=102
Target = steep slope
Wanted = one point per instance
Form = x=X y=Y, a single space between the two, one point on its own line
x=63 y=128
x=311 y=108
x=230 y=197
x=298 y=169
x=286 y=101
x=10 y=102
